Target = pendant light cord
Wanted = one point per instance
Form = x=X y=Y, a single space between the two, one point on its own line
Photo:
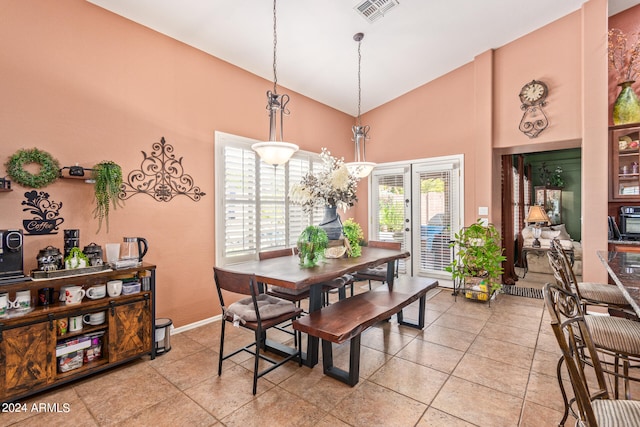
x=275 y=44
x=359 y=81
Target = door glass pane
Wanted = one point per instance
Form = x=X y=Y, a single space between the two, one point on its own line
x=390 y=201
x=435 y=220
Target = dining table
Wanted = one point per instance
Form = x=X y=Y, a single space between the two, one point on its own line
x=624 y=269
x=287 y=272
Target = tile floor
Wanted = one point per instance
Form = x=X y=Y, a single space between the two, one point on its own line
x=473 y=365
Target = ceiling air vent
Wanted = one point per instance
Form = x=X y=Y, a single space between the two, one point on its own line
x=372 y=10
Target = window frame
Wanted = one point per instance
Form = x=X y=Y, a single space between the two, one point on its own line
x=223 y=140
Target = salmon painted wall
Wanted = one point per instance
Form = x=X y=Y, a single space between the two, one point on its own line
x=87 y=85
x=449 y=115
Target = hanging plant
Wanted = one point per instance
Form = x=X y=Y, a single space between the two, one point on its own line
x=108 y=180
x=49 y=168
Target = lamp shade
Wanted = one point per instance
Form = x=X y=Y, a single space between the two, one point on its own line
x=360 y=169
x=274 y=152
x=537 y=214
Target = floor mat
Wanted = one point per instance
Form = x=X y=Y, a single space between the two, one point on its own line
x=522 y=292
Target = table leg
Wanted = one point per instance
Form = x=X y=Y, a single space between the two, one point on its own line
x=313 y=343
x=391 y=272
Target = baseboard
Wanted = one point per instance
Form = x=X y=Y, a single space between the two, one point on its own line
x=196 y=324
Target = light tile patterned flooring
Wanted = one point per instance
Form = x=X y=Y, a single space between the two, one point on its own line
x=473 y=365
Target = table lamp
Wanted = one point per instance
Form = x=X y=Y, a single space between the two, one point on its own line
x=538 y=216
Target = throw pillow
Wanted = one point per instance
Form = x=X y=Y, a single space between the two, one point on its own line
x=549 y=234
x=563 y=232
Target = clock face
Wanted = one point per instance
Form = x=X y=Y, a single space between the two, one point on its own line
x=533 y=93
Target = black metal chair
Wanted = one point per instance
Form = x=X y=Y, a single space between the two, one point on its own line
x=594 y=407
x=591 y=293
x=257 y=312
x=378 y=272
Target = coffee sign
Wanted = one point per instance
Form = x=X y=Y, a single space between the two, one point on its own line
x=46 y=213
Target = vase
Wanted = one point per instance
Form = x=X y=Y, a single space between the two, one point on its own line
x=626 y=109
x=331 y=223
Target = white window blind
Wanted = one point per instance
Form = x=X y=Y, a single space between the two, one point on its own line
x=253 y=213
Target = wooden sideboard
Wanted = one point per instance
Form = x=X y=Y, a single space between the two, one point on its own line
x=32 y=347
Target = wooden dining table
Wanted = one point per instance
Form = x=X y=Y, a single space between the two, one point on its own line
x=287 y=272
x=624 y=269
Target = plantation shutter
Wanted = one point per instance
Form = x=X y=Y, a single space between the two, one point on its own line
x=253 y=213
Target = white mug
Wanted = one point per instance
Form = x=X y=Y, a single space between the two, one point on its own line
x=97 y=292
x=114 y=288
x=74 y=295
x=22 y=301
x=4 y=303
x=94 y=318
x=75 y=323
x=63 y=292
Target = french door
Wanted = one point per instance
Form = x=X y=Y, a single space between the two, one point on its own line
x=419 y=204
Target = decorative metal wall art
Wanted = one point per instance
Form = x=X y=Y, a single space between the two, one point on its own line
x=46 y=213
x=161 y=176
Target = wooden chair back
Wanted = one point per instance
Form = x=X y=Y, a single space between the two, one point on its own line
x=237 y=283
x=574 y=339
x=277 y=253
x=384 y=245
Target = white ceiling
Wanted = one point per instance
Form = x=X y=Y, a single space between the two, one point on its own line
x=414 y=43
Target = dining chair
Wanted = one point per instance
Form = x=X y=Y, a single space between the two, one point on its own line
x=592 y=406
x=379 y=272
x=257 y=312
x=616 y=337
x=591 y=293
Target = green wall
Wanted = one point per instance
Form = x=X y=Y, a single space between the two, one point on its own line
x=570 y=162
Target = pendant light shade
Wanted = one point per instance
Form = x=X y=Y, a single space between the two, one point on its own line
x=275 y=152
x=360 y=167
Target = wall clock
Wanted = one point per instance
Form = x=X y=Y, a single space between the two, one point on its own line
x=533 y=97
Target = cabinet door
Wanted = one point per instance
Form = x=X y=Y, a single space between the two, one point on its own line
x=129 y=330
x=27 y=358
x=625 y=163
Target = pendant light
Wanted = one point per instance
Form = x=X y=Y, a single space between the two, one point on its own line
x=275 y=152
x=360 y=168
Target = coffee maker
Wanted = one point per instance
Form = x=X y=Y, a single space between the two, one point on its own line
x=11 y=254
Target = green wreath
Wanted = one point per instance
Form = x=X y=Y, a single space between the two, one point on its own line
x=49 y=168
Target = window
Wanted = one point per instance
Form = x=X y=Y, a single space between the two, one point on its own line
x=252 y=209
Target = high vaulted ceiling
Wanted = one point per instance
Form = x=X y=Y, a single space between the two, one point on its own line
x=413 y=43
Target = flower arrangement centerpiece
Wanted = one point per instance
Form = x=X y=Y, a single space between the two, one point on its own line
x=623 y=58
x=332 y=187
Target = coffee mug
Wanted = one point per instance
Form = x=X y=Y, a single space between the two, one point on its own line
x=62 y=325
x=97 y=291
x=74 y=295
x=22 y=301
x=114 y=288
x=75 y=323
x=63 y=292
x=46 y=296
x=4 y=303
x=94 y=318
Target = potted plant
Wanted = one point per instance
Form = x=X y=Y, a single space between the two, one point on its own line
x=478 y=262
x=108 y=180
x=354 y=235
x=311 y=245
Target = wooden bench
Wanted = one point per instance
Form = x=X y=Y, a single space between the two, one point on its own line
x=348 y=318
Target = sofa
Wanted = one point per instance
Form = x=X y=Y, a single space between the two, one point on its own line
x=537 y=261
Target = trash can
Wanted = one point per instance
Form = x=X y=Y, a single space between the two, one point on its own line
x=163 y=335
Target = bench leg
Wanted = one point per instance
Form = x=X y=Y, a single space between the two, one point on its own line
x=420 y=324
x=353 y=375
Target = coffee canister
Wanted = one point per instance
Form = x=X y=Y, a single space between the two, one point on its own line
x=94 y=253
x=50 y=259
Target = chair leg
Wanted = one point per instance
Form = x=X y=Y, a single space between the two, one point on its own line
x=259 y=343
x=220 y=356
x=565 y=415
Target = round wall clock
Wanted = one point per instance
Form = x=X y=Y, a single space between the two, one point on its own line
x=533 y=97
